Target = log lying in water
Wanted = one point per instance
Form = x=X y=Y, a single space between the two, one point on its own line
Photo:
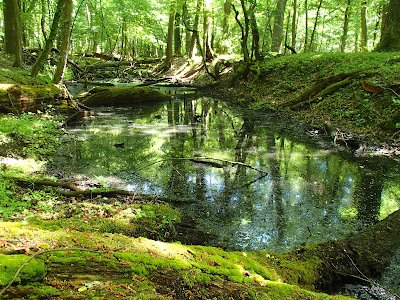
x=122 y=96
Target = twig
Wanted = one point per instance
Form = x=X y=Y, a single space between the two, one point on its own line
x=46 y=251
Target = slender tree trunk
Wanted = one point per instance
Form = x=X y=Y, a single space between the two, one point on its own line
x=13 y=30
x=186 y=19
x=364 y=35
x=170 y=36
x=50 y=40
x=65 y=41
x=195 y=29
x=277 y=32
x=294 y=27
x=208 y=51
x=244 y=30
x=225 y=25
x=315 y=26
x=343 y=39
x=43 y=20
x=286 y=33
x=177 y=35
x=390 y=38
x=378 y=21
x=254 y=31
x=306 y=26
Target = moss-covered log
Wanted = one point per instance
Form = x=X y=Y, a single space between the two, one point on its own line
x=24 y=98
x=318 y=88
x=330 y=89
x=122 y=96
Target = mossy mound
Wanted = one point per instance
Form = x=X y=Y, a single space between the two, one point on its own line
x=35 y=270
x=148 y=269
x=122 y=96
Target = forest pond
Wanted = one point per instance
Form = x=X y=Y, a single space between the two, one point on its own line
x=308 y=191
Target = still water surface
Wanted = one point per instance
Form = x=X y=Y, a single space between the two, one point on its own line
x=310 y=194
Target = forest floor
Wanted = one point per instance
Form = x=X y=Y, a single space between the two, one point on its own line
x=121 y=247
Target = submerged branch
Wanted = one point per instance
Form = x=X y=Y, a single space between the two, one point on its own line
x=206 y=160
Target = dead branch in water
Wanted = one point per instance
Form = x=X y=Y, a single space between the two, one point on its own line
x=208 y=161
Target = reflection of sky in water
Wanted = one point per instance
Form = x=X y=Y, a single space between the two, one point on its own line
x=309 y=194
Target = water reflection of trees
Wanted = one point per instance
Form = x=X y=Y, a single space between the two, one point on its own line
x=306 y=191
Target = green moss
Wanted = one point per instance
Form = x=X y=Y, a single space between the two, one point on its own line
x=122 y=96
x=9 y=264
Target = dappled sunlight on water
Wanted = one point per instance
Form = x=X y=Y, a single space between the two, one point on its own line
x=308 y=193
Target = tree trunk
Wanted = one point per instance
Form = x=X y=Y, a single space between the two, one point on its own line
x=294 y=18
x=315 y=26
x=225 y=25
x=390 y=38
x=306 y=26
x=43 y=20
x=244 y=30
x=13 y=30
x=170 y=37
x=208 y=51
x=195 y=29
x=177 y=35
x=186 y=19
x=364 y=35
x=49 y=43
x=345 y=27
x=277 y=32
x=255 y=48
x=65 y=37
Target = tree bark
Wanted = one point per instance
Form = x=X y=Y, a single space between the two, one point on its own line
x=294 y=19
x=315 y=26
x=306 y=26
x=343 y=39
x=277 y=32
x=65 y=37
x=254 y=31
x=364 y=35
x=177 y=35
x=225 y=25
x=390 y=38
x=244 y=30
x=195 y=29
x=50 y=41
x=170 y=37
x=13 y=30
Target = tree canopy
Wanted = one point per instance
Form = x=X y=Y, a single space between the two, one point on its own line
x=143 y=28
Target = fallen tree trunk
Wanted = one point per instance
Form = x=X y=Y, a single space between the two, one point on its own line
x=122 y=96
x=107 y=192
x=322 y=86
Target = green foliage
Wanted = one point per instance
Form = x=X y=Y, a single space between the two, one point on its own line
x=32 y=135
x=9 y=203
